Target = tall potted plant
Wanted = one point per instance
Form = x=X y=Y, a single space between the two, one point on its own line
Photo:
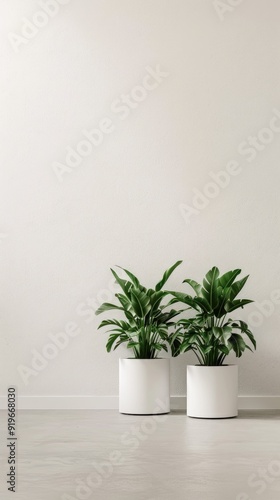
x=143 y=378
x=212 y=385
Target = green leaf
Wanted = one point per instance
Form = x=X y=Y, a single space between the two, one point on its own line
x=206 y=350
x=121 y=341
x=166 y=275
x=121 y=324
x=223 y=298
x=193 y=338
x=218 y=331
x=210 y=284
x=111 y=341
x=132 y=343
x=236 y=304
x=140 y=303
x=241 y=325
x=157 y=346
x=125 y=285
x=237 y=287
x=203 y=304
x=155 y=300
x=251 y=337
x=228 y=278
x=125 y=302
x=227 y=332
x=195 y=286
x=223 y=349
x=133 y=278
x=238 y=344
x=185 y=299
x=248 y=347
x=175 y=347
x=107 y=307
x=186 y=346
x=166 y=317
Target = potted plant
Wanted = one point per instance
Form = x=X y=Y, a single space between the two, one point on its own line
x=212 y=385
x=144 y=329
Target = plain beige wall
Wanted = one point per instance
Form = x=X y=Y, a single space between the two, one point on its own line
x=141 y=197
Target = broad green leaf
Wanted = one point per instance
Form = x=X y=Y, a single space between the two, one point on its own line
x=121 y=341
x=228 y=278
x=195 y=286
x=111 y=341
x=251 y=337
x=238 y=344
x=185 y=346
x=227 y=332
x=133 y=278
x=237 y=287
x=140 y=303
x=206 y=350
x=155 y=300
x=175 y=347
x=185 y=299
x=210 y=284
x=241 y=325
x=223 y=349
x=132 y=343
x=223 y=298
x=107 y=307
x=125 y=302
x=107 y=322
x=236 y=304
x=166 y=275
x=218 y=331
x=125 y=285
x=203 y=304
x=192 y=339
x=157 y=346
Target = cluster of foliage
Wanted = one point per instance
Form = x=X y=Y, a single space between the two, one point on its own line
x=210 y=333
x=145 y=328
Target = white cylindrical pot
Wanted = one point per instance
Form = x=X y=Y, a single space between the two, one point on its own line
x=212 y=391
x=144 y=386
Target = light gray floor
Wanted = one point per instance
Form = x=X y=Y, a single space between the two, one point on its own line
x=144 y=458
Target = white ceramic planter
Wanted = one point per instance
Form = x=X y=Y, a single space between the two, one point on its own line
x=212 y=391
x=144 y=386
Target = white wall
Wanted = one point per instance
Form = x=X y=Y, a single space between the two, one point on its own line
x=127 y=202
